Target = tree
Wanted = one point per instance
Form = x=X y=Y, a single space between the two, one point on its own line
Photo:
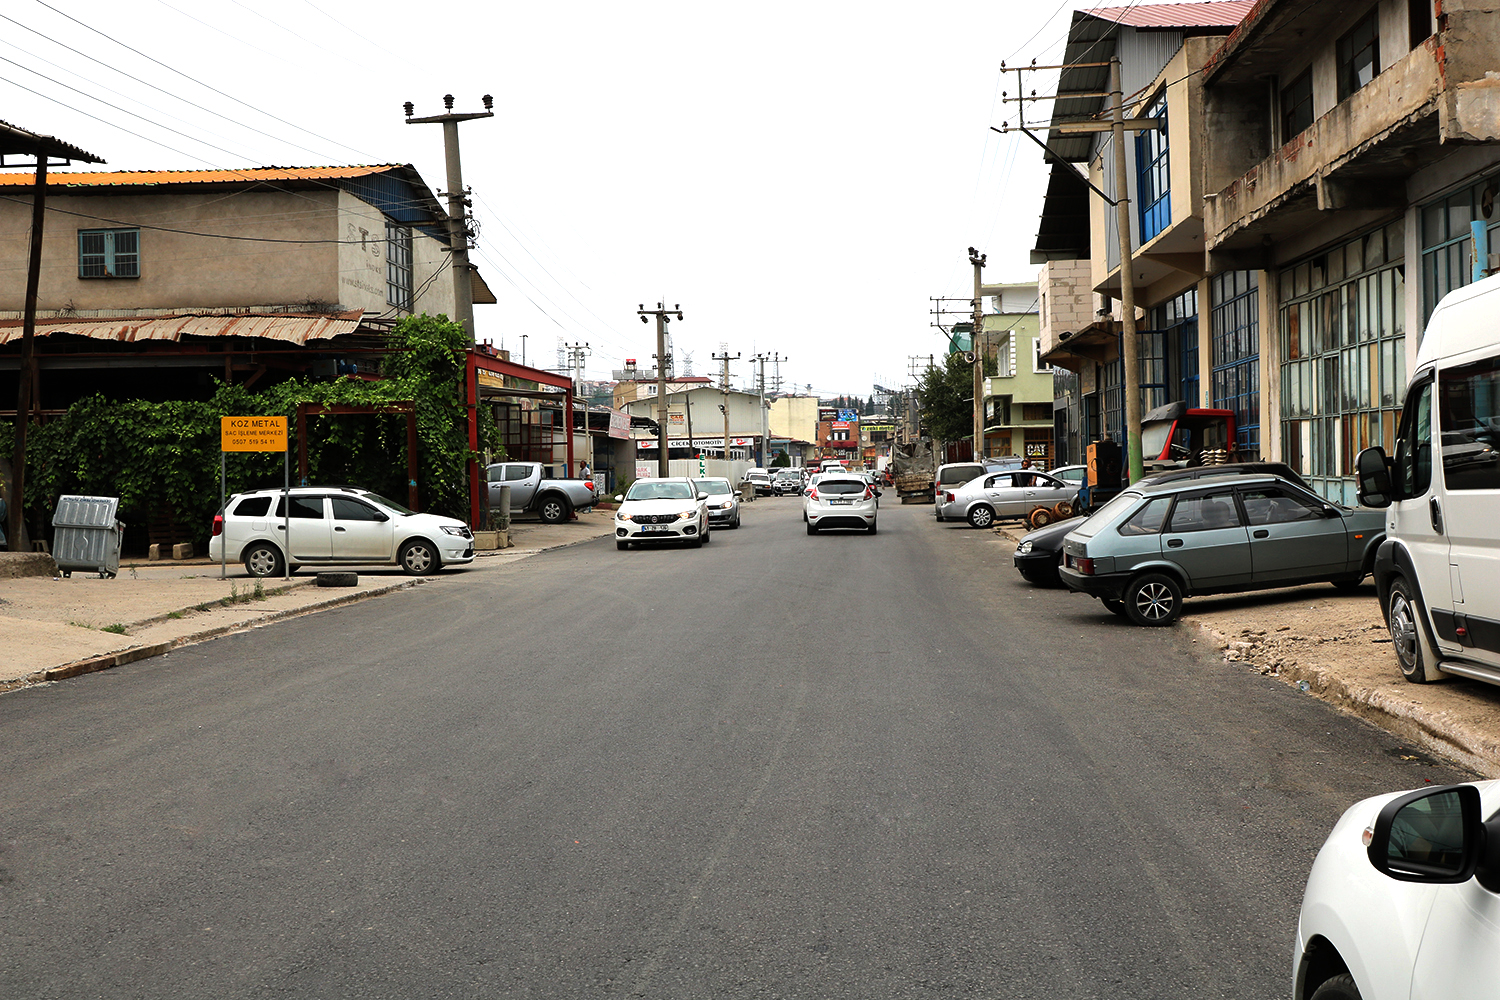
x=945 y=394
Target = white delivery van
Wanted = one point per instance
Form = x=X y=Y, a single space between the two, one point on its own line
x=1438 y=571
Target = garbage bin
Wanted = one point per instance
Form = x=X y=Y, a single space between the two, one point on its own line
x=85 y=535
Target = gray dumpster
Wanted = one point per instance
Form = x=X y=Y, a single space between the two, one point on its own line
x=85 y=535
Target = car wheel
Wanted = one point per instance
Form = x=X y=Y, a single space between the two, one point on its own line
x=939 y=517
x=1340 y=987
x=1113 y=606
x=981 y=516
x=1063 y=510
x=812 y=529
x=871 y=529
x=1040 y=518
x=419 y=558
x=736 y=524
x=706 y=533
x=1348 y=584
x=554 y=510
x=263 y=560
x=622 y=546
x=1153 y=599
x=697 y=542
x=1403 y=618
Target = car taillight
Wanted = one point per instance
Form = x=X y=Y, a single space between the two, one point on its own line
x=1084 y=566
x=591 y=486
x=869 y=493
x=947 y=497
x=813 y=493
x=218 y=524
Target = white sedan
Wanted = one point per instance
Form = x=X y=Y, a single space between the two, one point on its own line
x=1403 y=901
x=662 y=510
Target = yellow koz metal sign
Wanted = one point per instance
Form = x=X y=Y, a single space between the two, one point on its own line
x=252 y=433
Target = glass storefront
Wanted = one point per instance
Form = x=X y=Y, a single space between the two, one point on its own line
x=1235 y=319
x=1447 y=243
x=1343 y=356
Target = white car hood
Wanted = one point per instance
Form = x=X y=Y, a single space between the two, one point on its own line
x=634 y=507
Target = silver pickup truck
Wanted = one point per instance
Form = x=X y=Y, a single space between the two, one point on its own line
x=531 y=491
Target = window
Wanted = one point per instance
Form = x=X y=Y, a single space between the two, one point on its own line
x=1037 y=364
x=1470 y=407
x=398 y=268
x=1359 y=54
x=345 y=509
x=1419 y=17
x=1413 y=460
x=308 y=507
x=1297 y=106
x=1235 y=319
x=109 y=253
x=253 y=507
x=1153 y=173
x=1273 y=505
x=1205 y=513
x=1447 y=240
x=1148 y=520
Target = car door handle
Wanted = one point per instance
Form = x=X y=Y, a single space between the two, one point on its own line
x=337 y=528
x=1435 y=509
x=1174 y=543
x=1262 y=533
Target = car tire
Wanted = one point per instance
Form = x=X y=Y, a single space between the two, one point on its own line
x=982 y=516
x=622 y=546
x=263 y=560
x=736 y=525
x=555 y=509
x=1153 y=600
x=1340 y=987
x=1113 y=606
x=419 y=557
x=332 y=579
x=871 y=529
x=706 y=533
x=812 y=529
x=1348 y=584
x=1403 y=618
x=939 y=518
x=696 y=543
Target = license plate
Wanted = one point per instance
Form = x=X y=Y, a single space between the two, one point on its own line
x=654 y=529
x=841 y=503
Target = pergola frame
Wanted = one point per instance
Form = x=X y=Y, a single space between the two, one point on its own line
x=479 y=361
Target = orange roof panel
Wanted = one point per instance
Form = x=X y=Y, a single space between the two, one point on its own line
x=140 y=178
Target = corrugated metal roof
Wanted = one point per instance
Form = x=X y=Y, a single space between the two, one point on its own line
x=1208 y=14
x=17 y=140
x=291 y=328
x=138 y=178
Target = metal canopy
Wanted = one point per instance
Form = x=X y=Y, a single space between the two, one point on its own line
x=16 y=141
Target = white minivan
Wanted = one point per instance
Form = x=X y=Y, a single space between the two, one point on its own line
x=1438 y=572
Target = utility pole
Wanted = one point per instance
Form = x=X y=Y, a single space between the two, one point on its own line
x=977 y=342
x=458 y=205
x=523 y=348
x=726 y=358
x=663 y=317
x=1130 y=350
x=577 y=353
x=760 y=388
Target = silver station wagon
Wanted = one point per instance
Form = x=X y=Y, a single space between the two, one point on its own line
x=1152 y=545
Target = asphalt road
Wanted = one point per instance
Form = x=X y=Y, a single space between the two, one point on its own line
x=777 y=766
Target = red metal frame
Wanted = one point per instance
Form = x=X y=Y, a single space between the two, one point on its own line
x=478 y=360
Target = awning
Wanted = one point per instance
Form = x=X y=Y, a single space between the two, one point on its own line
x=291 y=328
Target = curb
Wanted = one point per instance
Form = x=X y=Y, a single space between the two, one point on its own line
x=134 y=654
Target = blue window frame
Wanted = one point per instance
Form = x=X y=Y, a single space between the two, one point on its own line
x=109 y=253
x=1152 y=173
x=1235 y=315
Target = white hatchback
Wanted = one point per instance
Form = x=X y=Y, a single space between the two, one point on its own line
x=333 y=526
x=662 y=510
x=839 y=501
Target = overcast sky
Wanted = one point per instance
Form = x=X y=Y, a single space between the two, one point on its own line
x=801 y=178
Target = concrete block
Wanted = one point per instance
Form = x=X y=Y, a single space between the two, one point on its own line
x=14 y=565
x=155 y=553
x=182 y=550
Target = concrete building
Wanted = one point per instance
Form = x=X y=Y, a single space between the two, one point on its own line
x=695 y=423
x=1352 y=157
x=794 y=418
x=1018 y=398
x=245 y=275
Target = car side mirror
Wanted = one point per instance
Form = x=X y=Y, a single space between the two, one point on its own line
x=702 y=496
x=381 y=516
x=1373 y=472
x=1432 y=835
x=1329 y=510
x=879 y=493
x=619 y=498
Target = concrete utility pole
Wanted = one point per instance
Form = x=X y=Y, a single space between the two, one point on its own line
x=663 y=317
x=765 y=430
x=458 y=205
x=726 y=358
x=977 y=342
x=577 y=354
x=1130 y=350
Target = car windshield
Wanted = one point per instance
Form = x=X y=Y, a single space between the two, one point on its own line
x=841 y=487
x=713 y=487
x=1107 y=514
x=390 y=504
x=659 y=491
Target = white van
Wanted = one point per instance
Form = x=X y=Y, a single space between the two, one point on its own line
x=1438 y=572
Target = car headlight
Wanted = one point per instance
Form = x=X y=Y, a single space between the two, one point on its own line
x=449 y=529
x=685 y=515
x=623 y=517
x=1023 y=549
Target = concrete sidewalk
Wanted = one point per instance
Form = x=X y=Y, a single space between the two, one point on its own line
x=52 y=628
x=1335 y=646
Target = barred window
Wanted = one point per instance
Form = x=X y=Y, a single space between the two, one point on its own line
x=398 y=267
x=109 y=253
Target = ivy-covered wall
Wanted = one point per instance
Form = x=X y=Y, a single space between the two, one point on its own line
x=165 y=456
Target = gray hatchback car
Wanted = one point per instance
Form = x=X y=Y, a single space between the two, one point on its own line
x=1152 y=545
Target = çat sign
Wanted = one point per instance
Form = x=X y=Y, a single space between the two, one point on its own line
x=252 y=433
